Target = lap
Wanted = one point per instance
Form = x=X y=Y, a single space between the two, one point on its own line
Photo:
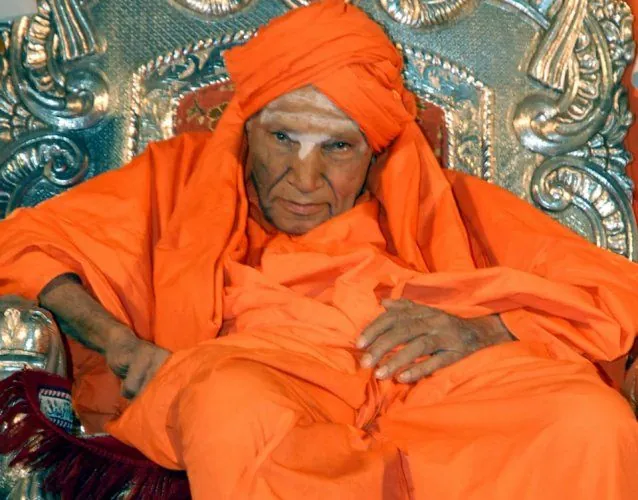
x=505 y=386
x=513 y=413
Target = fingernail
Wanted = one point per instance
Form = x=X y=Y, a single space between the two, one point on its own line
x=361 y=343
x=366 y=361
x=404 y=377
x=381 y=372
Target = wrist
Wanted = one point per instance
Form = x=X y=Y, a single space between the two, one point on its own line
x=494 y=327
x=118 y=336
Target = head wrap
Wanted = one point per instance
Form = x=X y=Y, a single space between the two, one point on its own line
x=338 y=49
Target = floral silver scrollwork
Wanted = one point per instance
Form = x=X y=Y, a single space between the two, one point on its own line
x=159 y=86
x=554 y=53
x=41 y=51
x=467 y=104
x=74 y=30
x=583 y=129
x=565 y=181
x=293 y=4
x=554 y=127
x=601 y=51
x=213 y=8
x=15 y=118
x=606 y=148
x=416 y=13
x=51 y=156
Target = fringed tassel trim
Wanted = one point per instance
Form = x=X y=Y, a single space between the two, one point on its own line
x=99 y=468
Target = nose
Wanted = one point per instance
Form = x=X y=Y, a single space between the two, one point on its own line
x=306 y=173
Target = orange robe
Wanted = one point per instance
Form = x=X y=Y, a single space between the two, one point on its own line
x=276 y=405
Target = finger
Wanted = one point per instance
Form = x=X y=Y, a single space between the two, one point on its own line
x=135 y=377
x=400 y=333
x=419 y=347
x=399 y=304
x=160 y=357
x=429 y=366
x=381 y=324
x=120 y=365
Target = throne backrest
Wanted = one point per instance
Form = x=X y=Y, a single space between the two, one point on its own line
x=522 y=93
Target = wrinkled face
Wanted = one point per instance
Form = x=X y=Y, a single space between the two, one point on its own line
x=308 y=160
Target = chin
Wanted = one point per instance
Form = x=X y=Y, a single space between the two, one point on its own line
x=297 y=227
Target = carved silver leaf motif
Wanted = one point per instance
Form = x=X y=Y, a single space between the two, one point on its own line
x=15 y=119
x=159 y=86
x=43 y=93
x=48 y=156
x=567 y=180
x=467 y=104
x=213 y=8
x=583 y=129
x=417 y=13
x=554 y=52
x=293 y=4
x=60 y=95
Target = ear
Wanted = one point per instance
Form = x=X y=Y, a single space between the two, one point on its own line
x=249 y=123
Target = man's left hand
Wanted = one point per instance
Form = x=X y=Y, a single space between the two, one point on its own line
x=424 y=332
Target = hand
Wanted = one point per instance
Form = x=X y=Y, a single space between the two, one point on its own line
x=132 y=359
x=7 y=301
x=425 y=332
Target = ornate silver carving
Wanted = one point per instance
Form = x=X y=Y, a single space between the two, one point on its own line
x=20 y=483
x=583 y=129
x=60 y=95
x=556 y=127
x=41 y=156
x=15 y=118
x=416 y=13
x=73 y=28
x=467 y=104
x=28 y=338
x=293 y=4
x=213 y=8
x=567 y=180
x=159 y=86
x=42 y=87
x=554 y=53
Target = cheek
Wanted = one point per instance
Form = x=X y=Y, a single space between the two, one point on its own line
x=267 y=165
x=347 y=183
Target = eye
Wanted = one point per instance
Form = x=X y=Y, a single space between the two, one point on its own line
x=338 y=146
x=281 y=137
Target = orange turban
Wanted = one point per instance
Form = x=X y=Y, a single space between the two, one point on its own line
x=337 y=49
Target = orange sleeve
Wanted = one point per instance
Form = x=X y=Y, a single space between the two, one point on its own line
x=512 y=233
x=103 y=230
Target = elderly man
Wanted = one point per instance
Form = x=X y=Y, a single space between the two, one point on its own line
x=345 y=319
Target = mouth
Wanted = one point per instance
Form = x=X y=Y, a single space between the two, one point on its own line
x=302 y=209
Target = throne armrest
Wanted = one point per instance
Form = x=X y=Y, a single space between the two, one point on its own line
x=29 y=339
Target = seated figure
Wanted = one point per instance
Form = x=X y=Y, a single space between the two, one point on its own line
x=304 y=304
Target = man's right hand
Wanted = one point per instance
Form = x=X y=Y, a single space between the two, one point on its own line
x=132 y=359
x=83 y=318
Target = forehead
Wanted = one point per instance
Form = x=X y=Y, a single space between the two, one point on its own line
x=309 y=108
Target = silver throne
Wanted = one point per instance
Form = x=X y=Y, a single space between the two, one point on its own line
x=528 y=92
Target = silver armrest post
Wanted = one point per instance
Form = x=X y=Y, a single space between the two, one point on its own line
x=29 y=338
